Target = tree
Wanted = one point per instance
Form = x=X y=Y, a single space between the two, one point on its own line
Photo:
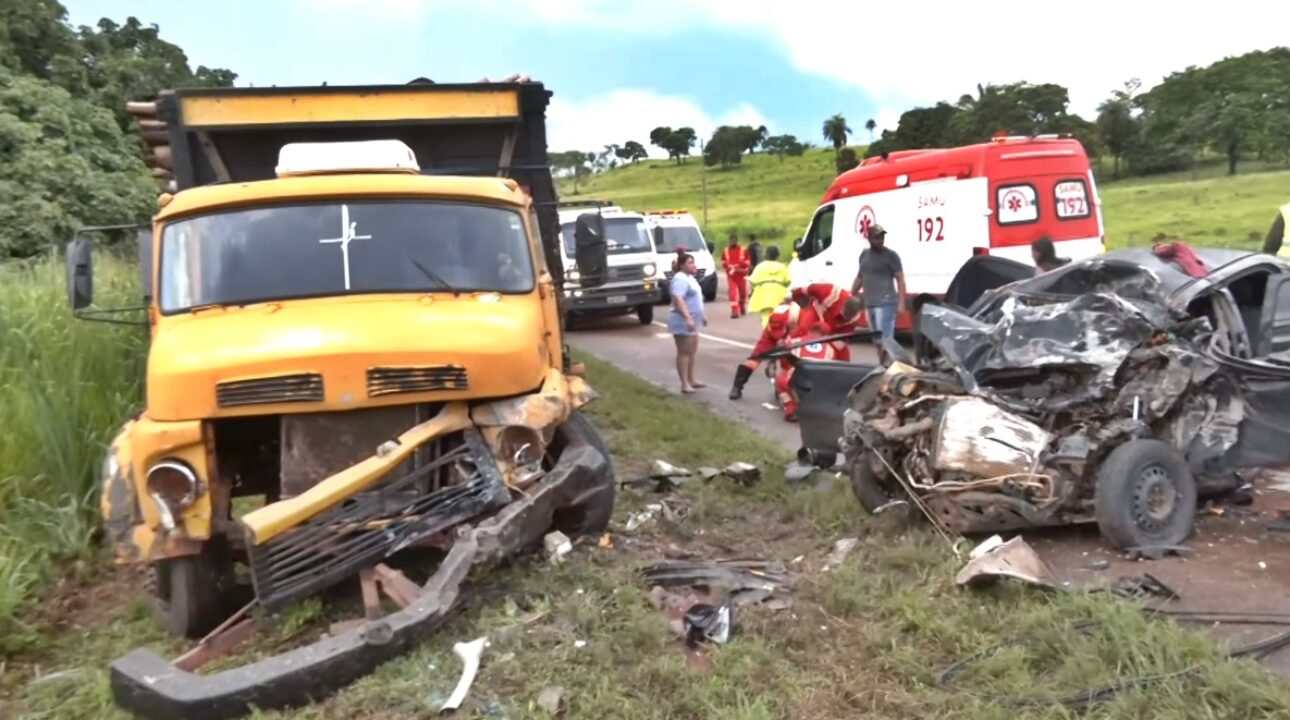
x=677 y=143
x=847 y=159
x=918 y=128
x=726 y=147
x=781 y=145
x=1116 y=123
x=632 y=152
x=35 y=38
x=573 y=162
x=64 y=164
x=871 y=125
x=836 y=131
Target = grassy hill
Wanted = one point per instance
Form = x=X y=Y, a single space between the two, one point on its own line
x=775 y=198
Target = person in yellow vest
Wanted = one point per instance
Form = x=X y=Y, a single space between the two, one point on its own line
x=770 y=283
x=1274 y=244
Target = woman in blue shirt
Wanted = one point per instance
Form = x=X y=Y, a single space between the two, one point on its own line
x=685 y=319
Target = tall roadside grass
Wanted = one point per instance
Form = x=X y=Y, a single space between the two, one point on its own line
x=65 y=387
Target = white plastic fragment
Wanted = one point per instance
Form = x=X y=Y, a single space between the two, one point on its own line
x=469 y=653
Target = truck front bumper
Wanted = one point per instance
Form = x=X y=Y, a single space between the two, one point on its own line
x=609 y=299
x=146 y=684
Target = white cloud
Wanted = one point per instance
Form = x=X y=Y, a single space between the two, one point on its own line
x=906 y=53
x=629 y=114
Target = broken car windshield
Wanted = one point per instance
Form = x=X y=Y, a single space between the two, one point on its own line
x=315 y=250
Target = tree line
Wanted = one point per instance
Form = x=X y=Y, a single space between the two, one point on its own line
x=1238 y=108
x=69 y=154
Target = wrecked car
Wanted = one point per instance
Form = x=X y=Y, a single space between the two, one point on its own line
x=356 y=351
x=1114 y=390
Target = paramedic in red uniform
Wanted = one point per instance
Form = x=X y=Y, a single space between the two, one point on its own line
x=800 y=319
x=735 y=262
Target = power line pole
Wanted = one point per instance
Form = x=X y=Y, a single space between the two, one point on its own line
x=703 y=184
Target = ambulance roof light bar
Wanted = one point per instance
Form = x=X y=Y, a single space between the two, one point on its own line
x=681 y=211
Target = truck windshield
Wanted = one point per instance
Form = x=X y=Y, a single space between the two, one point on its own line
x=681 y=236
x=320 y=249
x=622 y=236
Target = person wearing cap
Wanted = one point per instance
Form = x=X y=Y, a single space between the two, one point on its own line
x=882 y=280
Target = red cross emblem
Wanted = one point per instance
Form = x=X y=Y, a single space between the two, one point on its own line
x=865 y=220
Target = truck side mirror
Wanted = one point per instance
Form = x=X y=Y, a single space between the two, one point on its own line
x=658 y=236
x=144 y=237
x=712 y=248
x=591 y=251
x=80 y=272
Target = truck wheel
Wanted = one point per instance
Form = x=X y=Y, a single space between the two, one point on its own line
x=591 y=517
x=710 y=295
x=191 y=591
x=869 y=489
x=1146 y=495
x=645 y=313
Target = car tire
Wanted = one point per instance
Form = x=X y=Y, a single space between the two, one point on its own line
x=1146 y=495
x=645 y=313
x=191 y=591
x=590 y=517
x=867 y=486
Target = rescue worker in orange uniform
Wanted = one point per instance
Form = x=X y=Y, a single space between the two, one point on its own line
x=815 y=311
x=736 y=263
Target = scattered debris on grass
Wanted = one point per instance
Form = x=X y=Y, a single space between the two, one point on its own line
x=841 y=549
x=551 y=700
x=1147 y=584
x=1014 y=559
x=708 y=622
x=470 y=653
x=557 y=546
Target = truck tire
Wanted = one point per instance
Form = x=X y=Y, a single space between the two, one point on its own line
x=1146 y=495
x=191 y=591
x=710 y=295
x=591 y=517
x=870 y=491
x=645 y=313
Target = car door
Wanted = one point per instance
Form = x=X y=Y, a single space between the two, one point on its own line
x=1274 y=330
x=813 y=260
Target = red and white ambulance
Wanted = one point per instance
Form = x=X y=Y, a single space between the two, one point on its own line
x=941 y=207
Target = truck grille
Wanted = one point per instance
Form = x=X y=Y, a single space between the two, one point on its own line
x=305 y=387
x=397 y=381
x=626 y=272
x=370 y=526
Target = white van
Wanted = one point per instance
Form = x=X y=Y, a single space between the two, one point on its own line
x=632 y=278
x=672 y=229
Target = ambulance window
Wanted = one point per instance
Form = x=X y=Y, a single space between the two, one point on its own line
x=1070 y=197
x=1016 y=204
x=820 y=236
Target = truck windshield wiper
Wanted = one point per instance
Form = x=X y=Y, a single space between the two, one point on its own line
x=434 y=277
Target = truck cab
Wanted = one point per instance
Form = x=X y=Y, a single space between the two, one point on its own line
x=676 y=230
x=632 y=271
x=354 y=298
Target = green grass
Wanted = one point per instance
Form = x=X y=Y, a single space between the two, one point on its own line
x=861 y=640
x=65 y=385
x=775 y=199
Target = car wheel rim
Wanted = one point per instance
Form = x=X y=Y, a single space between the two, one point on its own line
x=1155 y=499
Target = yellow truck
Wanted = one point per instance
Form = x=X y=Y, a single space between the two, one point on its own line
x=354 y=296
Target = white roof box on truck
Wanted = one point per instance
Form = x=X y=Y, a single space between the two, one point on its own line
x=346 y=157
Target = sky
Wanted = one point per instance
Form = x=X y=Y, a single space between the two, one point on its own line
x=619 y=68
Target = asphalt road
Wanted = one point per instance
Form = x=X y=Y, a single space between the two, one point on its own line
x=649 y=353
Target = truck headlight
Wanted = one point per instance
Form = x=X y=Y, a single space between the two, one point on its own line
x=649 y=270
x=573 y=275
x=173 y=482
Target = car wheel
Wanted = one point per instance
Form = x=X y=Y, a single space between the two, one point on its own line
x=1146 y=495
x=191 y=591
x=645 y=313
x=592 y=516
x=869 y=488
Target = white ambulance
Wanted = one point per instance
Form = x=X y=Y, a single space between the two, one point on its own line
x=677 y=229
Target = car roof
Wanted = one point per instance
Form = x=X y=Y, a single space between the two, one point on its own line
x=1172 y=277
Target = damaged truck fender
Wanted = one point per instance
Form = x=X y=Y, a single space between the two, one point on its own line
x=145 y=683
